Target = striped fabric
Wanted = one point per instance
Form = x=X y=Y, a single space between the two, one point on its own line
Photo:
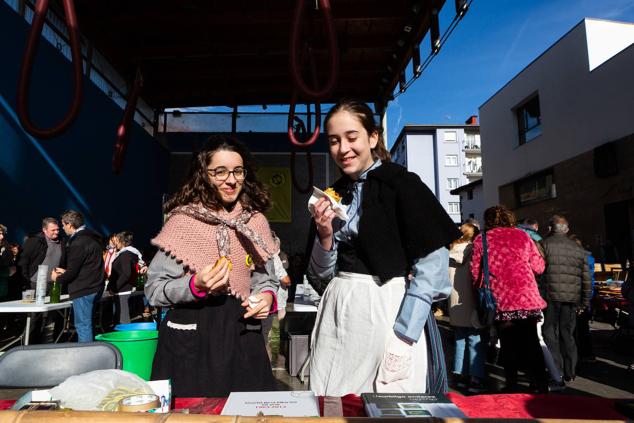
x=436 y=368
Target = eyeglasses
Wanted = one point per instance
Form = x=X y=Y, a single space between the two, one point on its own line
x=222 y=173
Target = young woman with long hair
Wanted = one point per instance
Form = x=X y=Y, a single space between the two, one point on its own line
x=214 y=271
x=386 y=264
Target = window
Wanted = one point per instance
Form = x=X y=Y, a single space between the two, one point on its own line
x=452 y=183
x=451 y=160
x=450 y=136
x=529 y=120
x=454 y=208
x=470 y=194
x=536 y=188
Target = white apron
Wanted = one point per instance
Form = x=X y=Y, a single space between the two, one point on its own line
x=354 y=319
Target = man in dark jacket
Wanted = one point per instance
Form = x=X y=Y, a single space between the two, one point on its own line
x=568 y=291
x=83 y=272
x=43 y=248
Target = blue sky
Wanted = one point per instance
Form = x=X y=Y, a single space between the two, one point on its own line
x=492 y=43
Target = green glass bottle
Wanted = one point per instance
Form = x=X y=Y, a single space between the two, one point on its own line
x=56 y=291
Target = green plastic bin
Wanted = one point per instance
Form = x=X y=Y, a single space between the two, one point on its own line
x=137 y=348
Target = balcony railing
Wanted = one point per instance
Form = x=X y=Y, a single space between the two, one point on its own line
x=471 y=148
x=474 y=170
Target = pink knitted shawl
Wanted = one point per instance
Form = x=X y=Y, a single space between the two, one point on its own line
x=198 y=236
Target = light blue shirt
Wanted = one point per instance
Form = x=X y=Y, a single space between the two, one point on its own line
x=430 y=276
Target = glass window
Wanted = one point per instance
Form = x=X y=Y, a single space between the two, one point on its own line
x=452 y=183
x=451 y=136
x=454 y=208
x=451 y=160
x=470 y=194
x=529 y=120
x=535 y=188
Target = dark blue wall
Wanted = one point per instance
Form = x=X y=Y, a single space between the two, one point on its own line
x=73 y=171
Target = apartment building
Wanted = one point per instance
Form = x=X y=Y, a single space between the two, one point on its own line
x=444 y=156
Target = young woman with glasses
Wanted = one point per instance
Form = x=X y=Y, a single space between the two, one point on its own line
x=214 y=271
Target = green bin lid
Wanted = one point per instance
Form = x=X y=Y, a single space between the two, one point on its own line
x=129 y=335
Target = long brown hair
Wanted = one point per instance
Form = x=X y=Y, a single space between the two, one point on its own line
x=198 y=189
x=498 y=216
x=469 y=232
x=365 y=115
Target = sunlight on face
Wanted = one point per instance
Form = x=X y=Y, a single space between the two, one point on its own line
x=228 y=189
x=350 y=144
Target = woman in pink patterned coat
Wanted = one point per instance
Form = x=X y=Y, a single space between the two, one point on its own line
x=513 y=263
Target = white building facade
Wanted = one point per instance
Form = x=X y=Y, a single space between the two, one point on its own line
x=471 y=201
x=560 y=137
x=445 y=157
x=576 y=96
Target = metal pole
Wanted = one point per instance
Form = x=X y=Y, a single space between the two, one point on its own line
x=234 y=120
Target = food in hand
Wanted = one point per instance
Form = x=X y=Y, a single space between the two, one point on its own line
x=330 y=192
x=254 y=301
x=219 y=262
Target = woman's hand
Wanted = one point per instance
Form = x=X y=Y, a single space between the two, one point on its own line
x=323 y=215
x=261 y=308
x=214 y=278
x=397 y=360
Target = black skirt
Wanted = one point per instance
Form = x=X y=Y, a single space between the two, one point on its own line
x=208 y=350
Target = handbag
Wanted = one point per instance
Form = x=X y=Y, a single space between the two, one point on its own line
x=485 y=302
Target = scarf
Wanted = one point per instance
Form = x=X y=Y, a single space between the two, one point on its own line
x=199 y=236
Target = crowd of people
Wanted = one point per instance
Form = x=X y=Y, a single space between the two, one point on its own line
x=81 y=263
x=221 y=277
x=542 y=289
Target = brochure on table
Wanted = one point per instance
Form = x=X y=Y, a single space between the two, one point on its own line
x=279 y=403
x=409 y=405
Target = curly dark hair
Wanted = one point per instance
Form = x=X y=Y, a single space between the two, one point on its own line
x=198 y=189
x=498 y=216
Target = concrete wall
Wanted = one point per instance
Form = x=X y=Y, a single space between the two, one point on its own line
x=585 y=199
x=580 y=110
x=73 y=171
x=474 y=206
x=421 y=158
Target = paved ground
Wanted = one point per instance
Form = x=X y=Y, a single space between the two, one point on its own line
x=607 y=377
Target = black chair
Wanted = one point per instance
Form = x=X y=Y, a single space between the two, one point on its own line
x=46 y=365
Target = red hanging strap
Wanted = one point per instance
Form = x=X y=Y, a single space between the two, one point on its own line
x=291 y=118
x=39 y=17
x=124 y=129
x=301 y=127
x=295 y=61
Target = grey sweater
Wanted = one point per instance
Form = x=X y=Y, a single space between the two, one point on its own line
x=168 y=284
